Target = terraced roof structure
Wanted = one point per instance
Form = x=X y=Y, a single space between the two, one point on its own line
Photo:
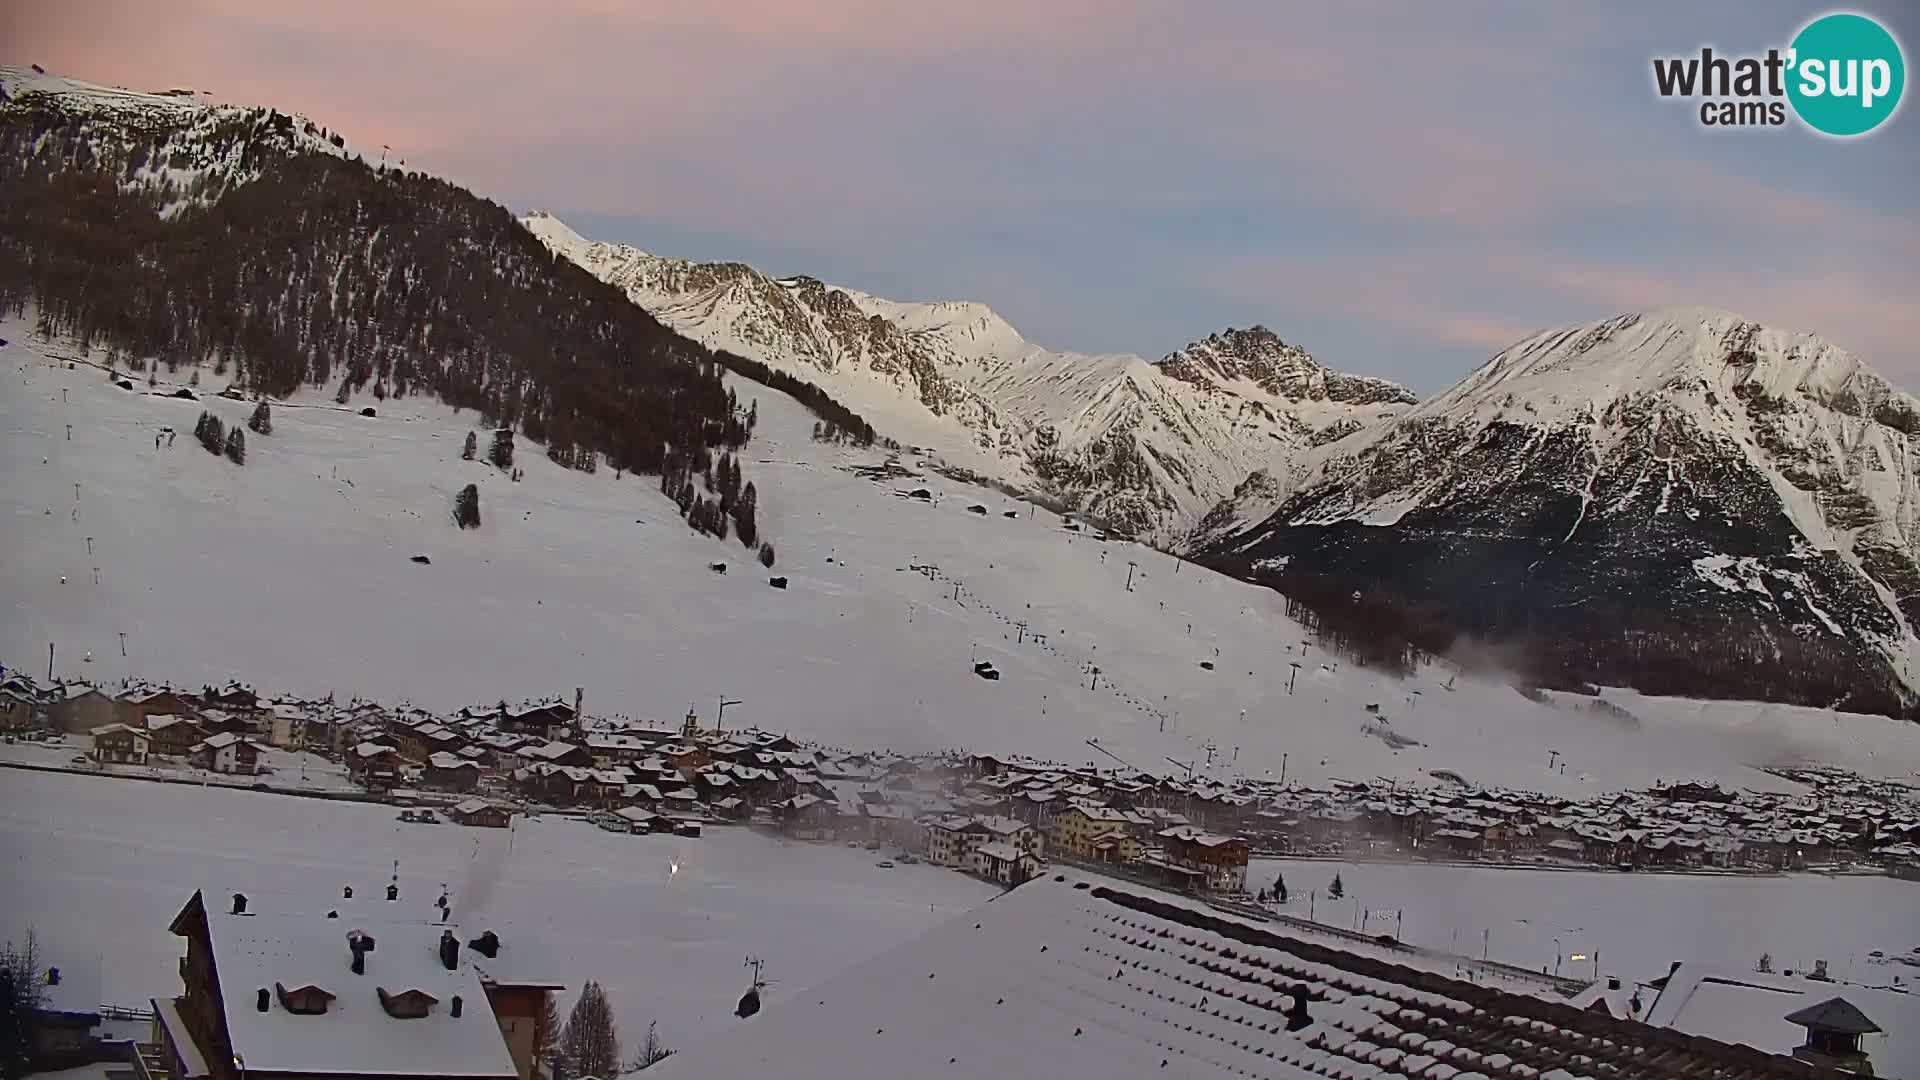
x=1072 y=976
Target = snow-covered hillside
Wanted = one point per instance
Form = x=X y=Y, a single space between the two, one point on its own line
x=1145 y=446
x=1770 y=471
x=294 y=572
x=185 y=149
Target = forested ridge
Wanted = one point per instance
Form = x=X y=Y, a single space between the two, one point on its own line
x=242 y=247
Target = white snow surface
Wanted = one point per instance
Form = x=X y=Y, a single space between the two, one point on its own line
x=957 y=378
x=292 y=573
x=1636 y=924
x=100 y=866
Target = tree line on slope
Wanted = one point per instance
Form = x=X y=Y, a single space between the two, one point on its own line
x=1700 y=653
x=325 y=272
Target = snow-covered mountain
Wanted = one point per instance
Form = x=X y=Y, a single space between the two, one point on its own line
x=1146 y=447
x=188 y=149
x=1682 y=473
x=294 y=572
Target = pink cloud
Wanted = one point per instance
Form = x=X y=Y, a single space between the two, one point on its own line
x=1470 y=300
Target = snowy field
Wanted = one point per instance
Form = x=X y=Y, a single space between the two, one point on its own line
x=293 y=573
x=1637 y=923
x=100 y=866
x=287 y=769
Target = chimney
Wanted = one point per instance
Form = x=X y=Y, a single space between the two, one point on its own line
x=346 y=893
x=393 y=892
x=449 y=950
x=454 y=1009
x=360 y=943
x=1296 y=1013
x=263 y=1000
x=487 y=944
x=53 y=976
x=1819 y=971
x=239 y=903
x=333 y=914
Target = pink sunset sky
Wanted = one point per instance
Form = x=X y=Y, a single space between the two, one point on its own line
x=1402 y=188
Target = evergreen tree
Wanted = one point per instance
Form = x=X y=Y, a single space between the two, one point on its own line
x=21 y=996
x=766 y=556
x=471 y=448
x=1280 y=888
x=237 y=447
x=466 y=507
x=261 y=422
x=211 y=433
x=501 y=454
x=743 y=515
x=591 y=1040
x=1336 y=889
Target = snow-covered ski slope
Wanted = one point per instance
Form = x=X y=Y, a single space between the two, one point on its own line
x=294 y=572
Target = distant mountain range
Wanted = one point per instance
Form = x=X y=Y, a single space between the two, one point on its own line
x=1679 y=500
x=1145 y=447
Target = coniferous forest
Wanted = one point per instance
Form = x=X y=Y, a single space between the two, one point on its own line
x=309 y=270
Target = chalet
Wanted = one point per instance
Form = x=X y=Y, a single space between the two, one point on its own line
x=1077 y=828
x=78 y=708
x=619 y=748
x=23 y=704
x=951 y=840
x=808 y=817
x=173 y=735
x=287 y=726
x=1003 y=862
x=423 y=738
x=1220 y=860
x=1006 y=830
x=481 y=813
x=451 y=772
x=118 y=744
x=555 y=753
x=226 y=752
x=374 y=764
x=278 y=996
x=137 y=706
x=215 y=721
x=546 y=719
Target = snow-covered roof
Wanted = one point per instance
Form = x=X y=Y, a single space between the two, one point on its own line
x=1752 y=1008
x=1073 y=978
x=355 y=1035
x=999 y=851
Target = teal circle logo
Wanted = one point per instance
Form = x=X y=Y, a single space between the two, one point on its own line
x=1846 y=74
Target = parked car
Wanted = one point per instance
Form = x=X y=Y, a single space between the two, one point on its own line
x=886 y=864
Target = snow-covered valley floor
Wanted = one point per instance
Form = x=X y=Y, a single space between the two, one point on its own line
x=99 y=866
x=1637 y=923
x=293 y=573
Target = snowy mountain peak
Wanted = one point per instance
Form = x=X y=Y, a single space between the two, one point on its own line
x=1677 y=471
x=1145 y=447
x=1259 y=356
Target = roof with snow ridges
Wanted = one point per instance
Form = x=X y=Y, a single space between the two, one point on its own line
x=355 y=1035
x=1076 y=978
